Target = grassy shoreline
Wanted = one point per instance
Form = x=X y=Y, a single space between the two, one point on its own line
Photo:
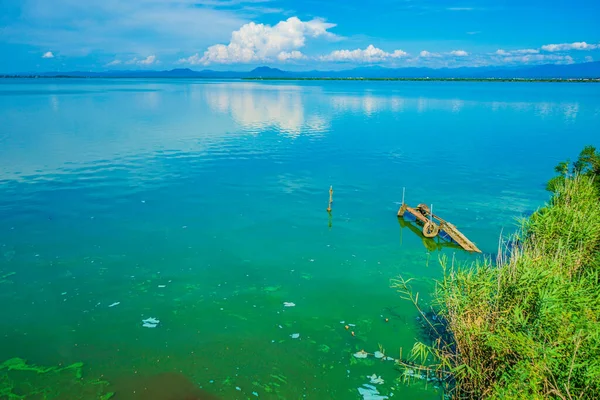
x=528 y=325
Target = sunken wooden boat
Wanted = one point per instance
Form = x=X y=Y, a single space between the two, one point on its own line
x=434 y=226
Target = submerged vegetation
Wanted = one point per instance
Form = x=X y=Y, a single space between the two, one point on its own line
x=20 y=380
x=528 y=325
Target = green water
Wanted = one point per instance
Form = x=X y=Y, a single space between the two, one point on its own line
x=203 y=205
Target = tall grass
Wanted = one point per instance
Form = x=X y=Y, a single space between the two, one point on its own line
x=527 y=326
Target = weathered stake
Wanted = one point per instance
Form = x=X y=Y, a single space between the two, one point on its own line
x=330 y=198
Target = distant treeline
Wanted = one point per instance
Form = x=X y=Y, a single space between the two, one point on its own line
x=415 y=79
x=38 y=76
x=596 y=80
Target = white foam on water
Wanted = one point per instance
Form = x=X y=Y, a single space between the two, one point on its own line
x=150 y=322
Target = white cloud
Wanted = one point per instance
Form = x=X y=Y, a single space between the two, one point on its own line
x=589 y=59
x=48 y=54
x=526 y=51
x=193 y=60
x=146 y=61
x=569 y=46
x=501 y=52
x=370 y=54
x=124 y=27
x=292 y=55
x=536 y=58
x=398 y=54
x=473 y=32
x=114 y=62
x=460 y=9
x=459 y=53
x=427 y=54
x=259 y=42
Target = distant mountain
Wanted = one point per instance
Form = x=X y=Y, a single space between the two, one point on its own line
x=583 y=70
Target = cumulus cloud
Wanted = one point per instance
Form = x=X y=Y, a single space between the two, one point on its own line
x=370 y=54
x=569 y=46
x=459 y=53
x=501 y=52
x=291 y=55
x=48 y=54
x=146 y=61
x=398 y=54
x=536 y=58
x=427 y=54
x=260 y=42
x=114 y=62
x=193 y=60
x=589 y=59
x=526 y=51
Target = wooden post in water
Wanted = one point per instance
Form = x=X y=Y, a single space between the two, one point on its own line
x=330 y=198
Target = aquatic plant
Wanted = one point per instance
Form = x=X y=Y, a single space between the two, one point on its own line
x=22 y=380
x=527 y=326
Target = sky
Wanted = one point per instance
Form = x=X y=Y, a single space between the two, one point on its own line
x=100 y=35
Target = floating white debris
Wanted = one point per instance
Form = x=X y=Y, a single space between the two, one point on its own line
x=150 y=322
x=351 y=325
x=162 y=286
x=378 y=354
x=375 y=379
x=288 y=304
x=115 y=304
x=369 y=392
x=390 y=359
x=295 y=335
x=254 y=393
x=63 y=293
x=361 y=354
x=342 y=322
x=238 y=388
x=414 y=374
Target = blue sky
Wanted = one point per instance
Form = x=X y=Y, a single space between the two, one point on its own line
x=64 y=35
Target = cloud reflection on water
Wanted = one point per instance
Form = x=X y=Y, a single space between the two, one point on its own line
x=58 y=128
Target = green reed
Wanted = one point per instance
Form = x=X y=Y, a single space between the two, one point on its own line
x=527 y=325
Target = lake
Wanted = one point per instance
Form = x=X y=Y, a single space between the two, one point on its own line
x=180 y=226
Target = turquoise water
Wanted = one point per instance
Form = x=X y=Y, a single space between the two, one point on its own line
x=203 y=204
